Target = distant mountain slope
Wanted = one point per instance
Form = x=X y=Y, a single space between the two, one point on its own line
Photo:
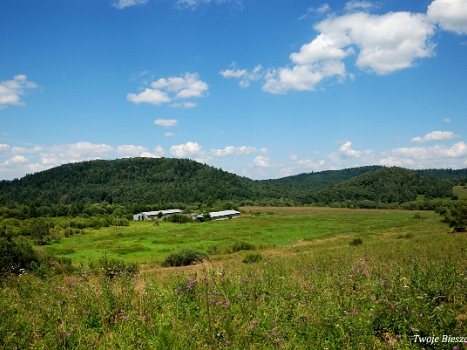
x=386 y=185
x=298 y=185
x=443 y=173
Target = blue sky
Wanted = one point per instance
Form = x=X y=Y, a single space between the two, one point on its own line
x=263 y=89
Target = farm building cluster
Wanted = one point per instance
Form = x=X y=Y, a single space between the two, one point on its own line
x=161 y=214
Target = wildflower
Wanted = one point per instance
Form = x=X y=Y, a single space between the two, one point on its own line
x=239 y=296
x=346 y=312
x=370 y=314
x=383 y=281
x=153 y=325
x=355 y=311
x=227 y=342
x=144 y=318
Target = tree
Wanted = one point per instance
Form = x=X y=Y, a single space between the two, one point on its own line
x=457 y=216
x=39 y=230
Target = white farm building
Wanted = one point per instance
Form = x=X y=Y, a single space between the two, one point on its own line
x=224 y=214
x=149 y=215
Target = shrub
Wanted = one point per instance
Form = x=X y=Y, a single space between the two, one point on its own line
x=112 y=267
x=242 y=245
x=252 y=257
x=356 y=242
x=178 y=218
x=15 y=255
x=184 y=257
x=418 y=216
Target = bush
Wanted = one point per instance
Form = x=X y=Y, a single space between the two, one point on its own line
x=112 y=267
x=356 y=242
x=184 y=257
x=178 y=218
x=15 y=255
x=242 y=245
x=252 y=257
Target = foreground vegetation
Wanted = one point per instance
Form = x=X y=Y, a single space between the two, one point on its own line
x=370 y=284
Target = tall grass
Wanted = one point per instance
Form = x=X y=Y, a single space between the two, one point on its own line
x=378 y=295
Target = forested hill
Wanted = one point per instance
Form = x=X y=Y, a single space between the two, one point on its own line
x=386 y=185
x=130 y=180
x=167 y=180
x=297 y=185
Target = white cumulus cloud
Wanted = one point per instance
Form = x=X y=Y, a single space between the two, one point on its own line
x=185 y=105
x=302 y=77
x=4 y=148
x=458 y=150
x=158 y=151
x=381 y=44
x=121 y=4
x=185 y=150
x=261 y=161
x=166 y=122
x=193 y=4
x=451 y=15
x=345 y=151
x=16 y=160
x=166 y=90
x=11 y=90
x=154 y=97
x=358 y=5
x=231 y=150
x=131 y=151
x=75 y=152
x=434 y=136
x=319 y=10
x=245 y=76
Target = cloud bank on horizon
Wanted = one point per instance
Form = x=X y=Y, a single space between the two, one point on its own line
x=351 y=48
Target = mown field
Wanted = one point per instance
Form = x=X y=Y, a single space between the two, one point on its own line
x=406 y=282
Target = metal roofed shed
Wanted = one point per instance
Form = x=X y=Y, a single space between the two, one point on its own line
x=219 y=215
x=149 y=215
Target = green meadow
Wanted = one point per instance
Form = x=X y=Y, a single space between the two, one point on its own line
x=147 y=242
x=404 y=286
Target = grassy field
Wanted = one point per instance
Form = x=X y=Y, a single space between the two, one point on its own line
x=460 y=191
x=266 y=228
x=406 y=283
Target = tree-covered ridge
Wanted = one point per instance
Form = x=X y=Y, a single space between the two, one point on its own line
x=444 y=173
x=131 y=180
x=386 y=185
x=298 y=185
x=163 y=181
